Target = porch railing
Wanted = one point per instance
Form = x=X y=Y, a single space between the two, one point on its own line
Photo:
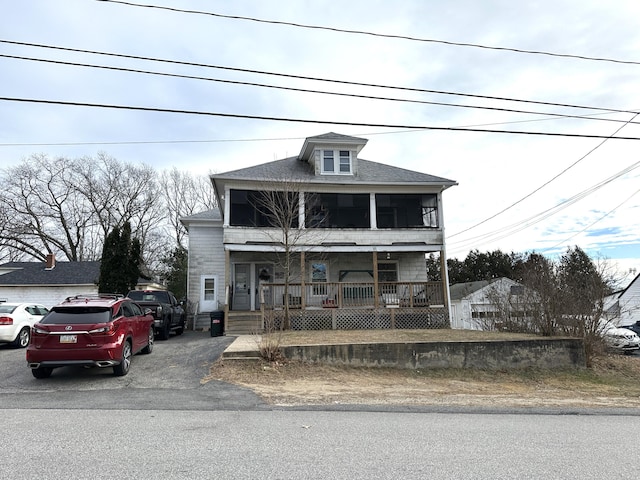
x=353 y=295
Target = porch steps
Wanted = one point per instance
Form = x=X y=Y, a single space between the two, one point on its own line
x=239 y=323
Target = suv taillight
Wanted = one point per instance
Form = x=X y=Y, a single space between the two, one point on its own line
x=6 y=321
x=108 y=329
x=39 y=331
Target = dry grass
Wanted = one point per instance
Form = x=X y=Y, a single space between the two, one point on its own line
x=373 y=336
x=614 y=381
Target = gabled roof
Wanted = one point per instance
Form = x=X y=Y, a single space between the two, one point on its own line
x=460 y=290
x=212 y=215
x=292 y=169
x=623 y=292
x=330 y=138
x=64 y=273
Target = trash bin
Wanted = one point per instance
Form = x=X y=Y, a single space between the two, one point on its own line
x=217 y=323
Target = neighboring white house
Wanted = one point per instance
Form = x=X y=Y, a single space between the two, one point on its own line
x=47 y=283
x=361 y=232
x=624 y=307
x=50 y=282
x=473 y=304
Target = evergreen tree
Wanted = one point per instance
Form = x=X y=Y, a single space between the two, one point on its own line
x=120 y=263
x=176 y=273
x=109 y=262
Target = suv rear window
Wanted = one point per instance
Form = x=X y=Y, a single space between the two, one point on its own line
x=76 y=315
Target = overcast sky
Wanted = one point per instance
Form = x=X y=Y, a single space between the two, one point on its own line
x=516 y=192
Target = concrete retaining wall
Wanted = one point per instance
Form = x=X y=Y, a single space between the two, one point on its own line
x=497 y=355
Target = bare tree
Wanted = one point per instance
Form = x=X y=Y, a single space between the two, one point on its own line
x=279 y=205
x=68 y=206
x=185 y=195
x=46 y=211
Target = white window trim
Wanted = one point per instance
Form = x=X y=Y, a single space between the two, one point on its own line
x=336 y=162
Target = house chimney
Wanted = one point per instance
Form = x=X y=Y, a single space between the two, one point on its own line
x=51 y=261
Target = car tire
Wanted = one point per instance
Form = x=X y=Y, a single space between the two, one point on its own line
x=42 y=372
x=22 y=340
x=165 y=330
x=122 y=368
x=149 y=348
x=180 y=329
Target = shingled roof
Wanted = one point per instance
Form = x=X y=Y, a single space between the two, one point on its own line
x=36 y=273
x=369 y=172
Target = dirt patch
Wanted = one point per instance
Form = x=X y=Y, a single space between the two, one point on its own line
x=614 y=381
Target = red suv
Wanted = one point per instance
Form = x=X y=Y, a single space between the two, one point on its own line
x=101 y=330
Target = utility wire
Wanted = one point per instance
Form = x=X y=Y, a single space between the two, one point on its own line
x=303 y=77
x=373 y=34
x=546 y=183
x=304 y=90
x=592 y=224
x=302 y=120
x=537 y=218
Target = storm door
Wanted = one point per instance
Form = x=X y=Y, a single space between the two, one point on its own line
x=241 y=286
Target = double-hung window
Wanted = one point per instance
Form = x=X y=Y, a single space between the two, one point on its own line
x=337 y=162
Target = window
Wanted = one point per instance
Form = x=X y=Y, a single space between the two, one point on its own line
x=406 y=210
x=251 y=208
x=329 y=165
x=387 y=272
x=136 y=309
x=209 y=289
x=345 y=161
x=517 y=290
x=337 y=210
x=327 y=161
x=319 y=275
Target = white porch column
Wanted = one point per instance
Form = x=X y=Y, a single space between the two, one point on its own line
x=372 y=211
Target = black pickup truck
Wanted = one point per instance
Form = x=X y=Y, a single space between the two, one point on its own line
x=167 y=312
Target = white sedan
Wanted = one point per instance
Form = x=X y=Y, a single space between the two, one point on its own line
x=621 y=339
x=16 y=320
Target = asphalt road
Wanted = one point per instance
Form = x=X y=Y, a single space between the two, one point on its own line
x=152 y=444
x=168 y=379
x=160 y=422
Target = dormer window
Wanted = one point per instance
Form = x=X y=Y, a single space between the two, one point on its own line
x=336 y=162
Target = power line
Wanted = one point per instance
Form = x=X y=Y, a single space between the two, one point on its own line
x=304 y=77
x=304 y=90
x=301 y=120
x=593 y=223
x=537 y=218
x=374 y=34
x=544 y=184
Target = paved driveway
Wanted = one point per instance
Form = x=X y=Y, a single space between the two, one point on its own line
x=168 y=379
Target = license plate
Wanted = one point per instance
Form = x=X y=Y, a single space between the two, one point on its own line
x=68 y=338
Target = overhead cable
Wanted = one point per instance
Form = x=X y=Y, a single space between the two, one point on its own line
x=305 y=90
x=302 y=120
x=374 y=34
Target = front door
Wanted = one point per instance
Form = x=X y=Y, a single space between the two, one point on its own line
x=241 y=287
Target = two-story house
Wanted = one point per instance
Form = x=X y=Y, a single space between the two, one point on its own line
x=322 y=240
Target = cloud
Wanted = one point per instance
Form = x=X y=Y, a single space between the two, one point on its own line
x=498 y=174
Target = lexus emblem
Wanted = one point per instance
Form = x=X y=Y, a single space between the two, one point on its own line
x=68 y=327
